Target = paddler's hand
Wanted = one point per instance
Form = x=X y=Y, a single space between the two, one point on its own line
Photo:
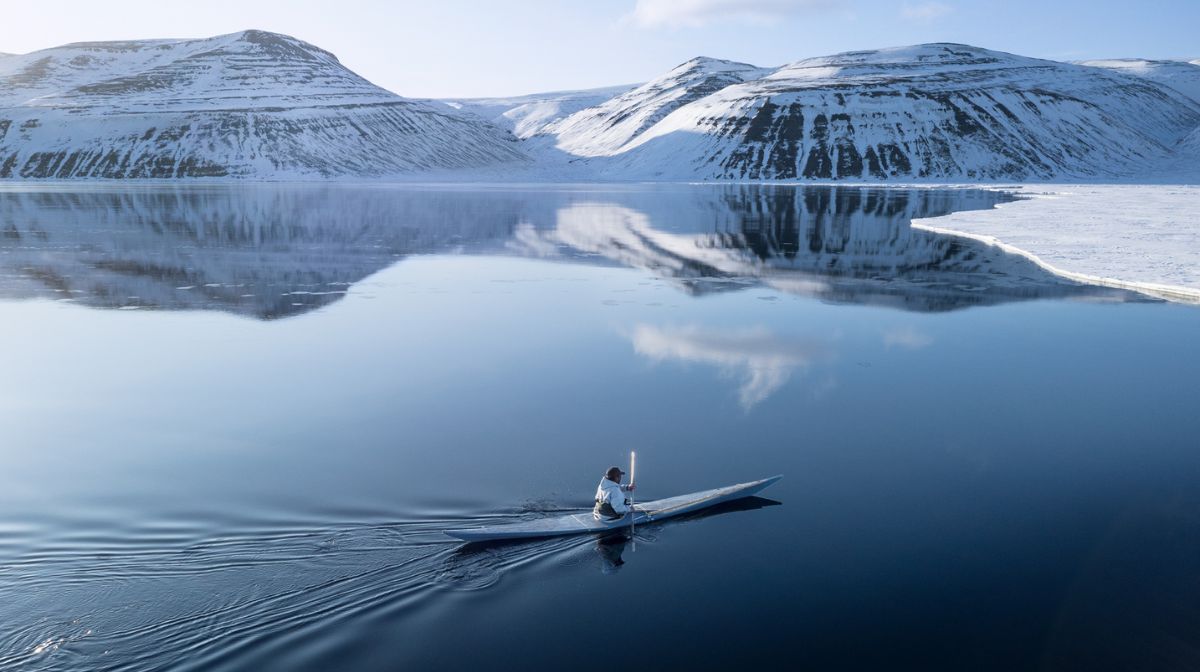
x=629 y=488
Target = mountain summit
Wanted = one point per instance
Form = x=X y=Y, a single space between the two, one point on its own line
x=252 y=103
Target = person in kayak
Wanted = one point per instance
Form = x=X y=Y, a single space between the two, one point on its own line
x=611 y=502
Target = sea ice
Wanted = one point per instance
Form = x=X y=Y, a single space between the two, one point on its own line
x=1143 y=237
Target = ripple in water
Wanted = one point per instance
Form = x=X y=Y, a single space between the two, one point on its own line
x=172 y=598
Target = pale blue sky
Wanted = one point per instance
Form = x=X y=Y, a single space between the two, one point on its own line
x=441 y=48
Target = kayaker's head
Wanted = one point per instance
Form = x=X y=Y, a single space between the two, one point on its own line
x=614 y=474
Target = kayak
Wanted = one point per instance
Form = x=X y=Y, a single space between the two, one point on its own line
x=585 y=522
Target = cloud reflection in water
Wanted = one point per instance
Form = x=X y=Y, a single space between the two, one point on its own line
x=761 y=359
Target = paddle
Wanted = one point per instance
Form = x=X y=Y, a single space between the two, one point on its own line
x=632 y=502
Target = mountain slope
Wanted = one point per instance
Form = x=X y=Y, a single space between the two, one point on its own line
x=608 y=127
x=529 y=115
x=247 y=104
x=1179 y=75
x=1191 y=143
x=936 y=111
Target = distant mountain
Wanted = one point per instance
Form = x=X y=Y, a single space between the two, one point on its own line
x=934 y=111
x=1182 y=76
x=529 y=115
x=249 y=104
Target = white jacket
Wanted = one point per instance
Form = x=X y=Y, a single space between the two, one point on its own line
x=614 y=494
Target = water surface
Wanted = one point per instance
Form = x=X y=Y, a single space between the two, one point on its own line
x=236 y=419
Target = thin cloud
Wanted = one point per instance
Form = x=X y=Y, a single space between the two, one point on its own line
x=925 y=11
x=692 y=13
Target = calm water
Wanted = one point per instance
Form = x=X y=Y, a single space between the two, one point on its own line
x=235 y=420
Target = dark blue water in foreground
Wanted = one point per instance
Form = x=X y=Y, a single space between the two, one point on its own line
x=235 y=420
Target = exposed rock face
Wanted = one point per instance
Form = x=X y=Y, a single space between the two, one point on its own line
x=248 y=104
x=936 y=111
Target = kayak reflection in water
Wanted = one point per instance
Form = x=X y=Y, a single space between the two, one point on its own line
x=611 y=502
x=610 y=549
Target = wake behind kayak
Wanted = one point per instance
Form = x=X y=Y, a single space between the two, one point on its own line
x=585 y=523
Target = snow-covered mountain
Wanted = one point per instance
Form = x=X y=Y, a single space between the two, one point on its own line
x=607 y=128
x=249 y=104
x=261 y=105
x=1182 y=76
x=529 y=115
x=935 y=111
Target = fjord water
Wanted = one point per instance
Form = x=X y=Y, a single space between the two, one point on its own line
x=235 y=420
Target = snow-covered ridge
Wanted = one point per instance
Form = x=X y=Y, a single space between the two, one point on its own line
x=528 y=115
x=607 y=128
x=935 y=111
x=1182 y=76
x=247 y=70
x=248 y=104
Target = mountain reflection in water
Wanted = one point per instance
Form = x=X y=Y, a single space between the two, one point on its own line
x=272 y=251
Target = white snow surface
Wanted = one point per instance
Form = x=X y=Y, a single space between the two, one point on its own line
x=1141 y=237
x=1182 y=76
x=529 y=115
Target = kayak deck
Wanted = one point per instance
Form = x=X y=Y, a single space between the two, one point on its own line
x=585 y=522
